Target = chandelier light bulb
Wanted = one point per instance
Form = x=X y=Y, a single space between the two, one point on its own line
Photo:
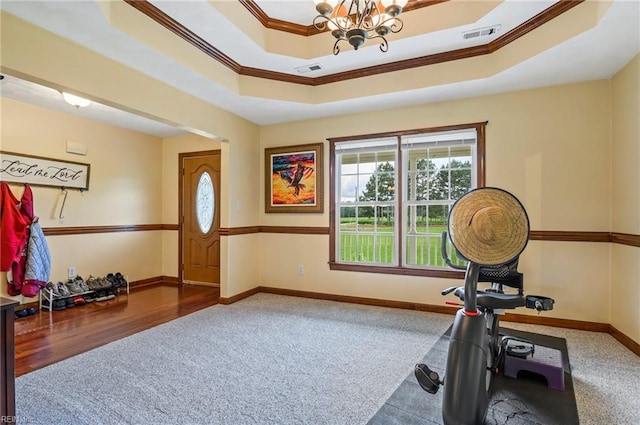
x=380 y=18
x=385 y=23
x=340 y=12
x=393 y=7
x=399 y=3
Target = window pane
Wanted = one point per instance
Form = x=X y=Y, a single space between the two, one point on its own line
x=461 y=157
x=438 y=215
x=367 y=219
x=439 y=186
x=348 y=186
x=347 y=247
x=416 y=219
x=385 y=219
x=348 y=218
x=439 y=156
x=386 y=187
x=351 y=167
x=439 y=169
x=205 y=202
x=384 y=248
x=366 y=187
x=460 y=182
x=416 y=158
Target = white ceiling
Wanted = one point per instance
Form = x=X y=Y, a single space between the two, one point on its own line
x=595 y=54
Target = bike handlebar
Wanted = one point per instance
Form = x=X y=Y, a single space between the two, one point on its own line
x=445 y=255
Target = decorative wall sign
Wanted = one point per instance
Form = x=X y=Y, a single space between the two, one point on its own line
x=40 y=171
x=293 y=179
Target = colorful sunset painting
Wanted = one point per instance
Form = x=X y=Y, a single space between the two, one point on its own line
x=293 y=179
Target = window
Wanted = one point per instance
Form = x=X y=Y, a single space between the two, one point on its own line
x=391 y=196
x=205 y=203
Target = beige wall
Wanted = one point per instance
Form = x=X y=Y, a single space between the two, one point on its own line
x=625 y=276
x=123 y=190
x=550 y=147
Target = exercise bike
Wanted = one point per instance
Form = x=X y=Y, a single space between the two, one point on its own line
x=476 y=347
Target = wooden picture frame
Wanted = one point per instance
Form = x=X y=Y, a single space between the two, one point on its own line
x=43 y=171
x=293 y=177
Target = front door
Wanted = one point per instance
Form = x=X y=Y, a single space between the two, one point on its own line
x=200 y=227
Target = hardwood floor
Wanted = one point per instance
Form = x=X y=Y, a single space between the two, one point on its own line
x=49 y=337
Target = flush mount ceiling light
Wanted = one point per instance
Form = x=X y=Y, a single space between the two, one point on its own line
x=77 y=101
x=355 y=21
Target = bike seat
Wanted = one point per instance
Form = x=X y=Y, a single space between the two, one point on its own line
x=495 y=300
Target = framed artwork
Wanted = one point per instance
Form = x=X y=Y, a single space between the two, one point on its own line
x=41 y=171
x=293 y=179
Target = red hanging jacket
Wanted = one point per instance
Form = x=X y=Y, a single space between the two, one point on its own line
x=13 y=229
x=18 y=267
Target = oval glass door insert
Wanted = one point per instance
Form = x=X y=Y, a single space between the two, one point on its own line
x=205 y=202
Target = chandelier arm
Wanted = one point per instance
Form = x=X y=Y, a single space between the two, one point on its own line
x=336 y=48
x=320 y=22
x=354 y=13
x=396 y=25
x=367 y=13
x=384 y=44
x=374 y=10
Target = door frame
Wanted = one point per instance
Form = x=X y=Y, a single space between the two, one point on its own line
x=181 y=158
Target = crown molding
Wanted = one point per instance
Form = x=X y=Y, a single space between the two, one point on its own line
x=180 y=30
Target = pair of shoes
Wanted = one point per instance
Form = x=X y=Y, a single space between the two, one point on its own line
x=79 y=300
x=104 y=295
x=25 y=312
x=63 y=290
x=122 y=281
x=107 y=286
x=59 y=305
x=104 y=282
x=69 y=302
x=74 y=287
x=117 y=279
x=92 y=283
x=53 y=288
x=112 y=280
x=82 y=284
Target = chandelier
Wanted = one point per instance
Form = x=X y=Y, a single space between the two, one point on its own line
x=355 y=21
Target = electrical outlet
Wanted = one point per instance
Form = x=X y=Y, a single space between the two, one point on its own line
x=71 y=272
x=300 y=269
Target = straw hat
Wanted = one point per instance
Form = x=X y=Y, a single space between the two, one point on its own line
x=488 y=226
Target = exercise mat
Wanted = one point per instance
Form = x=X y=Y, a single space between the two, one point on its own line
x=523 y=401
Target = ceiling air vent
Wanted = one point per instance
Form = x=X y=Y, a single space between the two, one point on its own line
x=481 y=32
x=308 y=68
